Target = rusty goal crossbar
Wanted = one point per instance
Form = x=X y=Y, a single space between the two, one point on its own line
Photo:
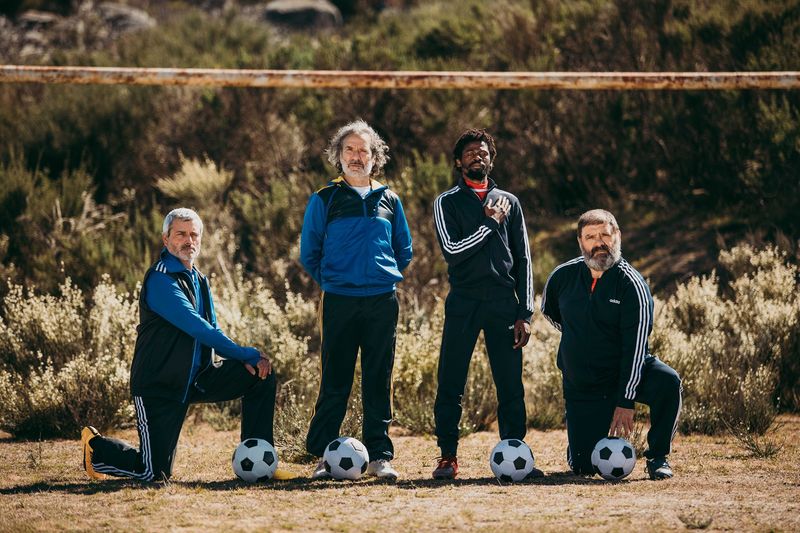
x=362 y=79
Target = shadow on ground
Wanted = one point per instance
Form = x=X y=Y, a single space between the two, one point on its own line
x=302 y=484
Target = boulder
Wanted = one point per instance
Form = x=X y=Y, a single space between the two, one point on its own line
x=123 y=19
x=303 y=14
x=36 y=20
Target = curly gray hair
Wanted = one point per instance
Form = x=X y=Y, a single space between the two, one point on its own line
x=377 y=145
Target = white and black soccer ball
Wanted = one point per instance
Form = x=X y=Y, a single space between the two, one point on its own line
x=345 y=458
x=511 y=460
x=254 y=460
x=613 y=458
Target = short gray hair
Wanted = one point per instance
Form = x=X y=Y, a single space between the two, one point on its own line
x=596 y=216
x=181 y=213
x=377 y=145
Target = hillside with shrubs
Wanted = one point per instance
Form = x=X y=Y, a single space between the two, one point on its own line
x=703 y=183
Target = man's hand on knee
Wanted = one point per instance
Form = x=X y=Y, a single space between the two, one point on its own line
x=622 y=423
x=263 y=368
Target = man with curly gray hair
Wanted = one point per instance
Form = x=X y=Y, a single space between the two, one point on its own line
x=355 y=243
x=377 y=146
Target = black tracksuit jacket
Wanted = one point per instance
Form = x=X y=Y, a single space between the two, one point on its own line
x=603 y=333
x=484 y=257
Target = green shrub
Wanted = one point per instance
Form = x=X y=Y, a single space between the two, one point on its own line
x=52 y=226
x=544 y=401
x=248 y=313
x=415 y=377
x=64 y=363
x=738 y=354
x=660 y=152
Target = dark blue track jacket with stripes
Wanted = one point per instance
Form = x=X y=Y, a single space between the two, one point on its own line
x=355 y=246
x=603 y=332
x=177 y=331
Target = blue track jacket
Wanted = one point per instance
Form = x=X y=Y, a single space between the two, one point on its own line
x=355 y=246
x=195 y=317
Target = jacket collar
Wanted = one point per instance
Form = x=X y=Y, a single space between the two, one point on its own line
x=463 y=184
x=375 y=184
x=173 y=265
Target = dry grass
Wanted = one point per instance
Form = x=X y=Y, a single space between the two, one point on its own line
x=718 y=487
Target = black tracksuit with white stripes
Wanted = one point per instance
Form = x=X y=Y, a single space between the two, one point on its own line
x=491 y=287
x=604 y=356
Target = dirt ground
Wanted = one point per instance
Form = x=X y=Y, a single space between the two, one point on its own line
x=718 y=486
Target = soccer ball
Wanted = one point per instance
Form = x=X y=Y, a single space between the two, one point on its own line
x=613 y=458
x=511 y=460
x=346 y=458
x=254 y=460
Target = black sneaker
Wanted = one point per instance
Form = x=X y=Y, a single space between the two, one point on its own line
x=658 y=468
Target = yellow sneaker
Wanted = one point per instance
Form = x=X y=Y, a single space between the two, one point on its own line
x=283 y=474
x=87 y=434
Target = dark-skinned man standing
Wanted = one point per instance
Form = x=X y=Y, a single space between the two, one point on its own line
x=482 y=234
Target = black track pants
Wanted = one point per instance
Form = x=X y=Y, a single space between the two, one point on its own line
x=159 y=422
x=588 y=420
x=350 y=323
x=464 y=319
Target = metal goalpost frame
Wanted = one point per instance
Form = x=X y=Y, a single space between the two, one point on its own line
x=363 y=79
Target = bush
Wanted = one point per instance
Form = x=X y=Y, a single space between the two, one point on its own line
x=248 y=313
x=736 y=345
x=64 y=363
x=52 y=225
x=415 y=377
x=738 y=354
x=544 y=401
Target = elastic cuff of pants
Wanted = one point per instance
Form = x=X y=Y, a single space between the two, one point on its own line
x=650 y=455
x=380 y=455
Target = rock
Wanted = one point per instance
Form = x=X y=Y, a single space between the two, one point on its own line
x=34 y=43
x=35 y=38
x=123 y=19
x=94 y=26
x=36 y=20
x=303 y=14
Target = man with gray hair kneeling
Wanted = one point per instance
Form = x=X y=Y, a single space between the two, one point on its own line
x=173 y=364
x=604 y=310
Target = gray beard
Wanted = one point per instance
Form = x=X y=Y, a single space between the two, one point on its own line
x=601 y=264
x=365 y=172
